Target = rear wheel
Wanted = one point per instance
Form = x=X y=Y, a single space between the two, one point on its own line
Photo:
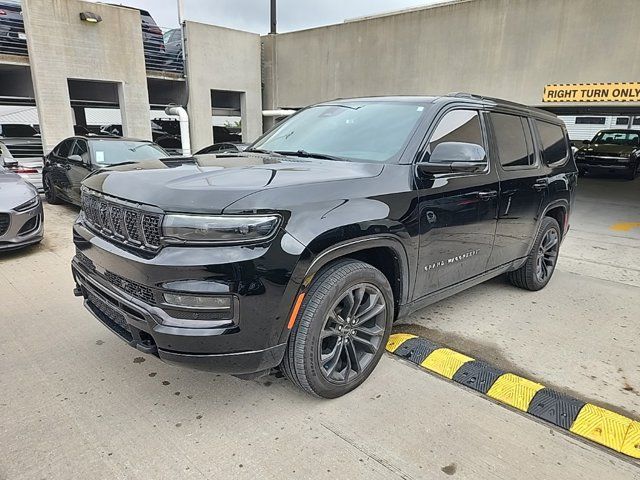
x=49 y=191
x=341 y=330
x=541 y=262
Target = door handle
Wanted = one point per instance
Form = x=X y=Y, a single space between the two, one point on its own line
x=488 y=195
x=541 y=184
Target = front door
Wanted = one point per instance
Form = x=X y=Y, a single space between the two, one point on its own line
x=78 y=169
x=523 y=187
x=457 y=210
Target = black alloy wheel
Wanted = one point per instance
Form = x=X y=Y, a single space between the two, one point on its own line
x=352 y=333
x=341 y=330
x=547 y=255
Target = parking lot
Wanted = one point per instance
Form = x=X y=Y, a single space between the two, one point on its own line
x=77 y=402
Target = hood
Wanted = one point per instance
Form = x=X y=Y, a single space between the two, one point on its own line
x=607 y=149
x=209 y=183
x=14 y=191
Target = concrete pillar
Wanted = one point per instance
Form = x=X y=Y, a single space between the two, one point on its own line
x=269 y=78
x=62 y=47
x=222 y=59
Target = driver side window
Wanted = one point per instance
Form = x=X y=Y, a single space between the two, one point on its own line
x=460 y=126
x=62 y=150
x=81 y=148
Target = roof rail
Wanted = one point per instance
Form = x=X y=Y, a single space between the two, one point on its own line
x=464 y=95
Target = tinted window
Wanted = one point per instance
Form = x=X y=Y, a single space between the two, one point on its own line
x=590 y=120
x=62 y=150
x=457 y=126
x=11 y=130
x=513 y=139
x=81 y=148
x=358 y=131
x=617 y=137
x=554 y=145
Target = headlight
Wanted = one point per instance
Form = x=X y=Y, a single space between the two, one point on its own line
x=26 y=206
x=219 y=229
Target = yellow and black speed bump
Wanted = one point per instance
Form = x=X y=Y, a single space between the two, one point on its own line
x=589 y=421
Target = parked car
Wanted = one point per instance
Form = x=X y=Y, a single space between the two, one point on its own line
x=613 y=151
x=21 y=214
x=76 y=157
x=173 y=46
x=13 y=40
x=21 y=152
x=301 y=251
x=223 y=148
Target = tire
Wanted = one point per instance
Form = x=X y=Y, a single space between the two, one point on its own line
x=634 y=172
x=536 y=272
x=50 y=192
x=335 y=288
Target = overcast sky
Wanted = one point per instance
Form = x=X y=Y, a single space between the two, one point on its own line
x=253 y=15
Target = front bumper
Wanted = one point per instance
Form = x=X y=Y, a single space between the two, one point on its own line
x=610 y=164
x=25 y=228
x=250 y=342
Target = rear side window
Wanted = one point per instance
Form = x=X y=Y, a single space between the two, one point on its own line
x=513 y=139
x=554 y=144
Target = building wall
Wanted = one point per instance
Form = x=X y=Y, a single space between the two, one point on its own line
x=222 y=59
x=504 y=48
x=63 y=47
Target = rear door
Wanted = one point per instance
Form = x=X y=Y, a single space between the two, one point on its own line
x=457 y=210
x=523 y=186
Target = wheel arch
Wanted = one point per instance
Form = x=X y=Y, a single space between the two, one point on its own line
x=384 y=252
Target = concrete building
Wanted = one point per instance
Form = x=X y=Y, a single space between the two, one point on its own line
x=563 y=55
x=510 y=49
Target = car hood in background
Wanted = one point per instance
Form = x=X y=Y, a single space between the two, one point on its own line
x=210 y=183
x=14 y=191
x=607 y=149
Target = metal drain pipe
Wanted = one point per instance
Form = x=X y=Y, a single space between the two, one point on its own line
x=183 y=118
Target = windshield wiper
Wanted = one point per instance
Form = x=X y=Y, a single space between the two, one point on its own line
x=118 y=164
x=260 y=150
x=305 y=154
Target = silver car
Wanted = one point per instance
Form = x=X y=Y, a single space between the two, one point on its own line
x=21 y=214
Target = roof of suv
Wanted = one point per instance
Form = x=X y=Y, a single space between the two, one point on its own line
x=456 y=97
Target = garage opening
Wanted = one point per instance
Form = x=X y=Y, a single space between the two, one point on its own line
x=227 y=111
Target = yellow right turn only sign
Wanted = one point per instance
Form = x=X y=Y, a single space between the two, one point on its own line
x=592 y=92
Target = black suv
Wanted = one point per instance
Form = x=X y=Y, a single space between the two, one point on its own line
x=301 y=251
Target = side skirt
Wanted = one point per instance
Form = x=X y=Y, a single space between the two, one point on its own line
x=434 y=297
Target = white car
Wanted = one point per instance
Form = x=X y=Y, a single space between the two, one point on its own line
x=23 y=156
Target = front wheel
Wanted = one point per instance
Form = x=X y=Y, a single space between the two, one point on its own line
x=341 y=330
x=634 y=171
x=541 y=262
x=49 y=191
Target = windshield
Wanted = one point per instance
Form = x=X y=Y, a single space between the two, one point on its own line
x=111 y=152
x=355 y=131
x=618 y=138
x=17 y=130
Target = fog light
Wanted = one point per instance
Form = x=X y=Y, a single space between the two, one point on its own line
x=192 y=301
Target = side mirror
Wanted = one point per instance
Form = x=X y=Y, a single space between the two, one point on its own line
x=586 y=142
x=75 y=159
x=449 y=157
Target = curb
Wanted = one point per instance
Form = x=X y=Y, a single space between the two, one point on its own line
x=585 y=420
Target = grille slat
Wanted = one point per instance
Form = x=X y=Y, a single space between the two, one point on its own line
x=134 y=289
x=134 y=227
x=4 y=223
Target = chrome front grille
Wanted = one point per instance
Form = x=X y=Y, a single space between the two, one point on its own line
x=124 y=224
